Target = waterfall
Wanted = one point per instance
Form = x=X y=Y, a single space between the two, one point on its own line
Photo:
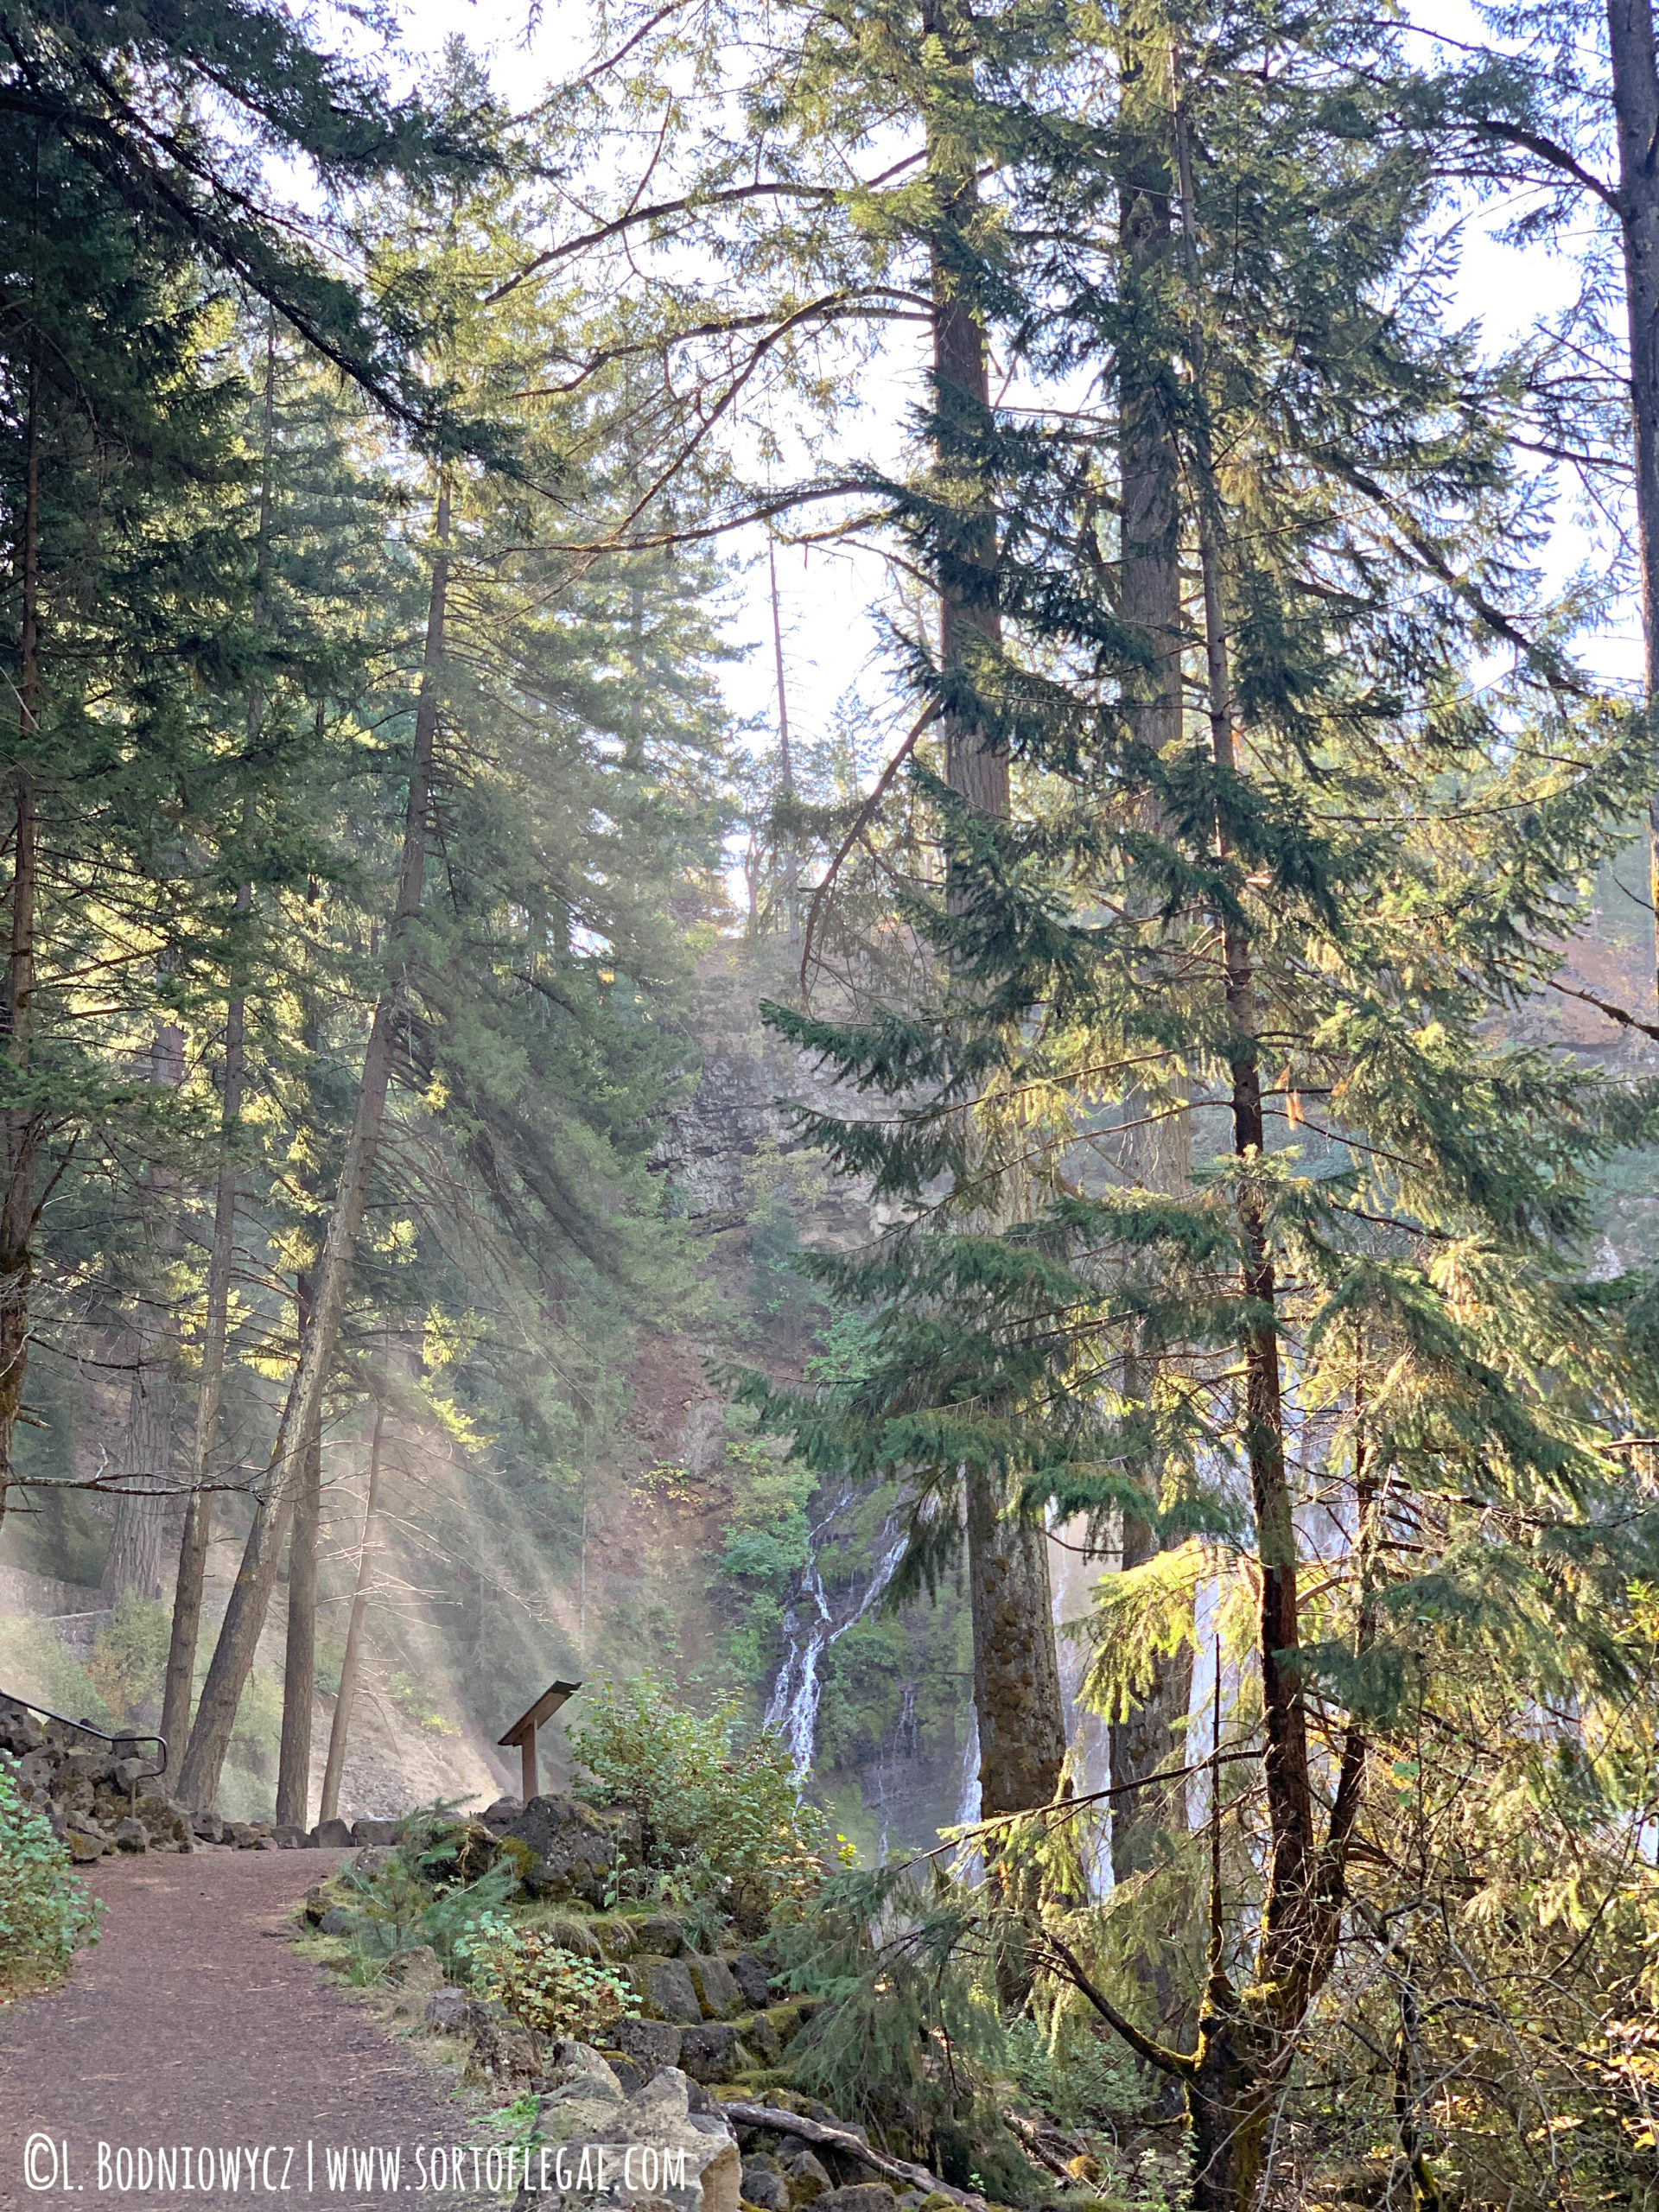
x=809 y=1629
x=968 y=1794
x=968 y=1780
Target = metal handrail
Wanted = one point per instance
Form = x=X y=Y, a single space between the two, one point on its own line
x=126 y=1736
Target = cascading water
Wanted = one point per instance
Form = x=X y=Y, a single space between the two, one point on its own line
x=968 y=1793
x=968 y=1781
x=809 y=1629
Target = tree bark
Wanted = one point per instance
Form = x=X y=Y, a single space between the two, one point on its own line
x=1016 y=1672
x=351 y=1664
x=233 y=1659
x=144 y=1505
x=21 y=1120
x=198 y=1506
x=1636 y=110
x=1149 y=584
x=1245 y=2044
x=300 y=1652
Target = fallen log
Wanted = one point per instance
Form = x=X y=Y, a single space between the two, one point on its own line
x=851 y=2146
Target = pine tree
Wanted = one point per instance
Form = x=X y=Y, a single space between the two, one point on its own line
x=1286 y=923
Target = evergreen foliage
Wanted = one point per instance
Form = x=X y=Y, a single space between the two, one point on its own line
x=1176 y=948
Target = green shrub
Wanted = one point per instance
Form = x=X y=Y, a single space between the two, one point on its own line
x=706 y=1802
x=394 y=1907
x=1079 y=2078
x=549 y=1988
x=45 y=1913
x=444 y=1875
x=128 y=1666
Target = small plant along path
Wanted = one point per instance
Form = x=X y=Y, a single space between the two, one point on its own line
x=187 y=2024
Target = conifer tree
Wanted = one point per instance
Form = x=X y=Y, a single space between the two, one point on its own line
x=1285 y=923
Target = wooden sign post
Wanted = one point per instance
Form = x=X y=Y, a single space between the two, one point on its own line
x=522 y=1731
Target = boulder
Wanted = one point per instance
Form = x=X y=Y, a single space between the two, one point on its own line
x=764 y=2184
x=663 y=2116
x=749 y=1972
x=756 y=2030
x=374 y=1831
x=716 y=1987
x=446 y=2009
x=127 y=1774
x=331 y=1835
x=574 y=1849
x=85 y=1845
x=132 y=1835
x=207 y=1828
x=35 y=1771
x=165 y=1824
x=291 y=1837
x=651 y=2043
x=89 y=1766
x=584 y=2097
x=791 y=2017
x=500 y=1816
x=20 y=1732
x=808 y=2176
x=661 y=1934
x=712 y=2052
x=504 y=2051
x=859 y=2196
x=335 y=1922
x=665 y=1990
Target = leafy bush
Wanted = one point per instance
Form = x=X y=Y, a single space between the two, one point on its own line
x=128 y=1666
x=706 y=1803
x=45 y=1913
x=553 y=1990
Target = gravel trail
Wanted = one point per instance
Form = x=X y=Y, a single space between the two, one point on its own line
x=192 y=2024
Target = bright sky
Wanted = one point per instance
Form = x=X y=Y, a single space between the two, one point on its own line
x=830 y=643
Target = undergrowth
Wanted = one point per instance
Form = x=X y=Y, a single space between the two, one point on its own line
x=45 y=1912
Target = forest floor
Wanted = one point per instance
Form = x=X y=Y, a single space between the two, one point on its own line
x=185 y=2027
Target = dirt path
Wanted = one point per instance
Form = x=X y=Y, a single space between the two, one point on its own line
x=188 y=2026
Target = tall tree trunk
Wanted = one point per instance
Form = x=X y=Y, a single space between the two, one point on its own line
x=1016 y=1671
x=300 y=1652
x=300 y=1646
x=1636 y=109
x=1150 y=1738
x=790 y=856
x=21 y=1120
x=232 y=1658
x=351 y=1665
x=198 y=1506
x=1244 y=2044
x=144 y=1506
